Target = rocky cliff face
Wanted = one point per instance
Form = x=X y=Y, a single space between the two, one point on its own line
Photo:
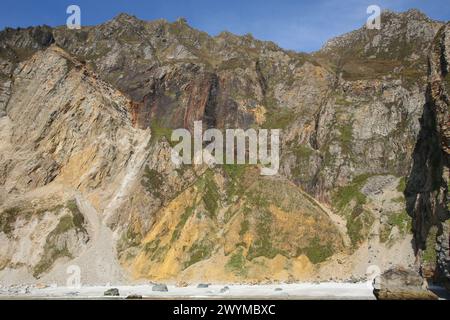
x=86 y=117
x=427 y=191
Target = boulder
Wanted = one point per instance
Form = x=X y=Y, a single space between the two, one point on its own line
x=113 y=292
x=160 y=288
x=401 y=284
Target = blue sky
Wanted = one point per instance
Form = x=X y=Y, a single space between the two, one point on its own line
x=292 y=24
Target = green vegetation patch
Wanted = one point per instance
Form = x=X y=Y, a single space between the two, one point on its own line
x=236 y=263
x=342 y=101
x=152 y=181
x=53 y=250
x=129 y=238
x=7 y=219
x=401 y=220
x=55 y=246
x=263 y=246
x=154 y=250
x=77 y=217
x=184 y=217
x=234 y=172
x=429 y=255
x=349 y=202
x=10 y=215
x=401 y=187
x=50 y=256
x=352 y=192
x=210 y=195
x=245 y=226
x=358 y=225
x=346 y=137
x=160 y=131
x=200 y=250
x=278 y=118
x=316 y=251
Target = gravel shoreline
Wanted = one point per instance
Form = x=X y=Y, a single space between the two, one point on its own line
x=331 y=290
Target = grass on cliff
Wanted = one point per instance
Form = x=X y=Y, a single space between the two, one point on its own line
x=263 y=245
x=351 y=192
x=399 y=219
x=349 y=202
x=429 y=255
x=77 y=217
x=56 y=246
x=358 y=225
x=7 y=219
x=199 y=251
x=180 y=225
x=346 y=138
x=342 y=101
x=316 y=251
x=10 y=215
x=160 y=131
x=154 y=250
x=302 y=155
x=278 y=118
x=401 y=187
x=129 y=238
x=210 y=196
x=152 y=181
x=234 y=173
x=236 y=263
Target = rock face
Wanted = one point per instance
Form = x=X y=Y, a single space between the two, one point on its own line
x=86 y=116
x=401 y=284
x=428 y=185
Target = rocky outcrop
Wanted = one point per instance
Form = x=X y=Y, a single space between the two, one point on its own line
x=35 y=234
x=401 y=284
x=427 y=189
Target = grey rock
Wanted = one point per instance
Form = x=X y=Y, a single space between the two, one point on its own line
x=224 y=289
x=160 y=288
x=114 y=292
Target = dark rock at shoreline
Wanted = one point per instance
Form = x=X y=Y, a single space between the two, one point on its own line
x=113 y=292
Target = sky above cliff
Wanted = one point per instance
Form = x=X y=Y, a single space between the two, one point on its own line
x=292 y=24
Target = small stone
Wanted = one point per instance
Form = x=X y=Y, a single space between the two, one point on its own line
x=113 y=292
x=41 y=286
x=278 y=289
x=134 y=297
x=224 y=289
x=160 y=288
x=202 y=285
x=182 y=284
